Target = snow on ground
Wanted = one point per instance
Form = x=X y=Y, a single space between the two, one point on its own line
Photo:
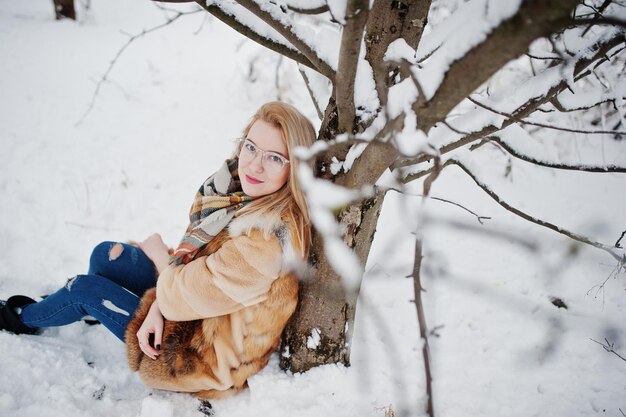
x=164 y=121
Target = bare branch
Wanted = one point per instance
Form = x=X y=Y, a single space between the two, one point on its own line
x=443 y=200
x=131 y=39
x=546 y=58
x=351 y=38
x=516 y=154
x=313 y=98
x=285 y=30
x=314 y=10
x=557 y=105
x=617 y=245
x=609 y=347
x=419 y=305
x=613 y=274
x=601 y=21
x=518 y=212
x=526 y=122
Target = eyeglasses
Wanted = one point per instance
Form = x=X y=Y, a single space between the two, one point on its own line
x=272 y=162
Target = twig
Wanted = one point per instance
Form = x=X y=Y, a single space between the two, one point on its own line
x=609 y=347
x=315 y=10
x=544 y=57
x=526 y=122
x=518 y=212
x=307 y=83
x=417 y=290
x=613 y=274
x=120 y=52
x=617 y=245
x=443 y=200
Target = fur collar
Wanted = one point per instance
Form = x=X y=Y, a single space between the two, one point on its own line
x=271 y=224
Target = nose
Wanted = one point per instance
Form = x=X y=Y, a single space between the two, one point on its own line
x=257 y=162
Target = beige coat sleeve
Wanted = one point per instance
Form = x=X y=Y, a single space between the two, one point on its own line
x=238 y=275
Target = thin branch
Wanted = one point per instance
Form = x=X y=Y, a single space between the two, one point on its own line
x=132 y=38
x=285 y=30
x=557 y=105
x=516 y=154
x=526 y=122
x=351 y=39
x=417 y=290
x=249 y=33
x=518 y=212
x=601 y=21
x=307 y=83
x=546 y=58
x=609 y=347
x=315 y=10
x=613 y=274
x=617 y=245
x=443 y=200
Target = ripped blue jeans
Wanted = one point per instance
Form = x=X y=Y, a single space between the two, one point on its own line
x=118 y=276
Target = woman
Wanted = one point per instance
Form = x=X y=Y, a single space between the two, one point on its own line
x=223 y=297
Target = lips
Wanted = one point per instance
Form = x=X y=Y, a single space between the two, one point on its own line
x=252 y=180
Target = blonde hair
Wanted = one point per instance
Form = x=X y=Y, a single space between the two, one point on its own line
x=289 y=201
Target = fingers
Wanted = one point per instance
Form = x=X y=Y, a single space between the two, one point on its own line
x=158 y=332
x=143 y=337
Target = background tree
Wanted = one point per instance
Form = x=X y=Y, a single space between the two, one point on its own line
x=64 y=9
x=414 y=87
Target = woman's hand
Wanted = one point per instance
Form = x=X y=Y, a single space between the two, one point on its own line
x=152 y=324
x=156 y=250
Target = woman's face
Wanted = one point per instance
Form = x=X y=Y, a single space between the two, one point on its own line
x=256 y=179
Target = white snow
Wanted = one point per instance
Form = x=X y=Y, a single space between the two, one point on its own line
x=164 y=120
x=313 y=341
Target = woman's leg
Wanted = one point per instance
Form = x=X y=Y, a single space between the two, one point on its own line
x=123 y=264
x=84 y=295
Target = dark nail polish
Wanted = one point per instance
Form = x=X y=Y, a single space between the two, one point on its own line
x=158 y=347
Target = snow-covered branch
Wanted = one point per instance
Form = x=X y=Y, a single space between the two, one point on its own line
x=247 y=30
x=527 y=105
x=572 y=167
x=351 y=40
x=506 y=42
x=618 y=255
x=274 y=17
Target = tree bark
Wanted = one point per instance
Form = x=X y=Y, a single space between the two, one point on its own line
x=325 y=309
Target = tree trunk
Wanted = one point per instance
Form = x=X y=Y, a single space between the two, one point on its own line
x=64 y=9
x=320 y=330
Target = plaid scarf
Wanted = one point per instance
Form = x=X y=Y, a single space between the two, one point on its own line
x=216 y=203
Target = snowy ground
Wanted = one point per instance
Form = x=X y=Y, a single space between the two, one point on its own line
x=163 y=121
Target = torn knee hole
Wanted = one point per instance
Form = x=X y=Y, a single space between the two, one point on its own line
x=115 y=251
x=69 y=283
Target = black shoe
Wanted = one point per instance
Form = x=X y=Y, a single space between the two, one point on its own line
x=9 y=317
